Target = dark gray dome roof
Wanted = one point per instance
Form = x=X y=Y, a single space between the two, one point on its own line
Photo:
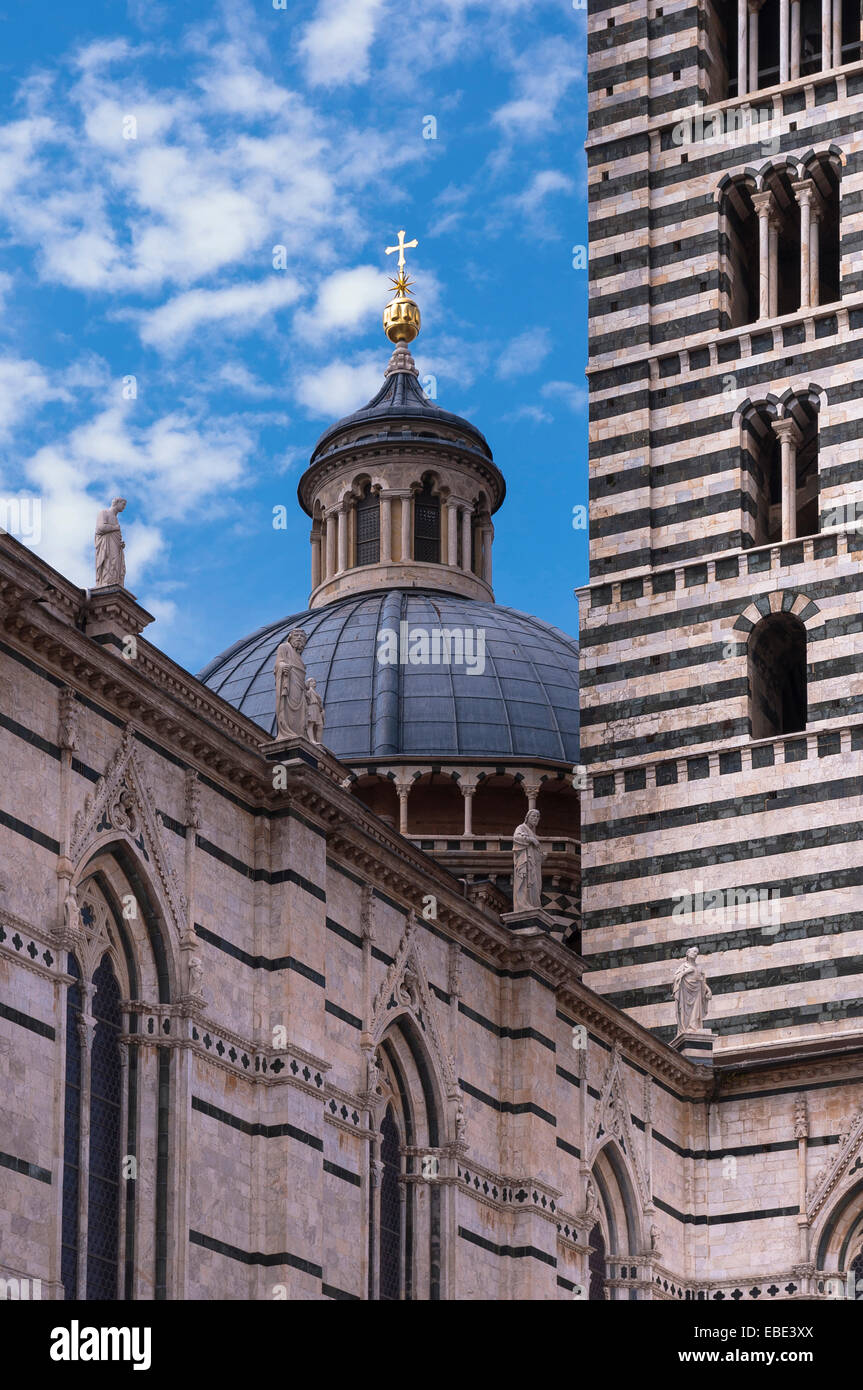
x=525 y=702
x=402 y=398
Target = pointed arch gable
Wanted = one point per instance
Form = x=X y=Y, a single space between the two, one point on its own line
x=121 y=814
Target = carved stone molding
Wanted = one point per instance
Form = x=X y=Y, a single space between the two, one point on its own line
x=123 y=805
x=405 y=991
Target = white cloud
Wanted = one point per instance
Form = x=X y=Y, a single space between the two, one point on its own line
x=24 y=386
x=239 y=308
x=347 y=300
x=237 y=376
x=524 y=354
x=336 y=44
x=529 y=412
x=172 y=468
x=340 y=387
x=543 y=184
x=544 y=73
x=571 y=393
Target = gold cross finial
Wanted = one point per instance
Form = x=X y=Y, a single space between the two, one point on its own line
x=402 y=245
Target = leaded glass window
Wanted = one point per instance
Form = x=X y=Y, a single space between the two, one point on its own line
x=390 y=1212
x=368 y=528
x=71 y=1137
x=105 y=1137
x=596 y=1266
x=427 y=526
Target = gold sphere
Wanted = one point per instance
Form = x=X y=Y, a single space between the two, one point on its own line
x=401 y=320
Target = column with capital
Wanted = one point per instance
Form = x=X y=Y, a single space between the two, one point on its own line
x=803 y=193
x=466 y=527
x=789 y=441
x=467 y=790
x=837 y=33
x=773 y=265
x=826 y=34
x=764 y=208
x=316 y=556
x=815 y=218
x=386 y=551
x=784 y=46
x=403 y=791
x=742 y=47
x=754 y=8
x=330 y=522
x=451 y=531
x=795 y=40
x=342 y=513
x=406 y=525
x=487 y=538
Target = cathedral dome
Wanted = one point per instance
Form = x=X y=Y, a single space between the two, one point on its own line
x=521 y=700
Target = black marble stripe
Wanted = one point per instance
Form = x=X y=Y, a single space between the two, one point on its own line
x=515 y=1252
x=29 y=1170
x=260 y=962
x=255 y=1257
x=35 y=1025
x=507 y=1107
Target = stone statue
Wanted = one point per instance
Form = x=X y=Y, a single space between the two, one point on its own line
x=691 y=992
x=314 y=712
x=110 y=562
x=196 y=974
x=654 y=1237
x=527 y=865
x=71 y=913
x=290 y=672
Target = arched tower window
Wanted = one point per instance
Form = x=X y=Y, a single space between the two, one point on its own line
x=596 y=1265
x=752 y=46
x=779 y=466
x=368 y=527
x=781 y=240
x=777 y=676
x=427 y=525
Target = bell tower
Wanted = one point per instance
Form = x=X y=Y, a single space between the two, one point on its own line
x=721 y=631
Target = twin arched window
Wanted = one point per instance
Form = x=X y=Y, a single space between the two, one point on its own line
x=405 y=1213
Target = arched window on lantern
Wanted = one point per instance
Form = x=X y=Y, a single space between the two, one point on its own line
x=368 y=527
x=777 y=676
x=427 y=524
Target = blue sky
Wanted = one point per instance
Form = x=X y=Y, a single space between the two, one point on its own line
x=151 y=158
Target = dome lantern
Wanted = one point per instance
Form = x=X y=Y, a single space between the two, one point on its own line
x=401 y=493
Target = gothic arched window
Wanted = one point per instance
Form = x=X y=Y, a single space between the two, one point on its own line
x=71 y=1136
x=94 y=1101
x=390 y=1240
x=368 y=527
x=103 y=1206
x=427 y=525
x=777 y=676
x=596 y=1266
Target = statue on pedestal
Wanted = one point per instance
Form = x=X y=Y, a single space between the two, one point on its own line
x=527 y=865
x=110 y=562
x=691 y=993
x=290 y=671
